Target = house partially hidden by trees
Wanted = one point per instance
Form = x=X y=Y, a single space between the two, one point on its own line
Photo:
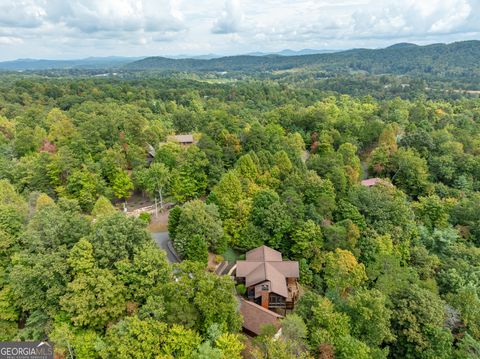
x=370 y=182
x=184 y=140
x=255 y=317
x=270 y=281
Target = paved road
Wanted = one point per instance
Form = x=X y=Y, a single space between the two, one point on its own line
x=162 y=239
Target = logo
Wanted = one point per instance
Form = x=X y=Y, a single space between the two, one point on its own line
x=26 y=350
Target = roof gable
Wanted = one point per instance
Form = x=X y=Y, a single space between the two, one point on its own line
x=255 y=316
x=255 y=269
x=263 y=253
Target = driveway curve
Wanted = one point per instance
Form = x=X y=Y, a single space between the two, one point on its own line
x=163 y=241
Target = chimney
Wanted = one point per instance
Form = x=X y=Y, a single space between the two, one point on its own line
x=265 y=299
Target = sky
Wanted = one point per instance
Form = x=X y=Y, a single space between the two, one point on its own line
x=67 y=29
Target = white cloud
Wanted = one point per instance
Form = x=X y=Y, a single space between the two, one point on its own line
x=24 y=13
x=73 y=28
x=92 y=16
x=455 y=15
x=230 y=20
x=10 y=40
x=411 y=18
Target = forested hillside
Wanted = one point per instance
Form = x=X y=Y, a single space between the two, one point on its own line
x=387 y=271
x=457 y=60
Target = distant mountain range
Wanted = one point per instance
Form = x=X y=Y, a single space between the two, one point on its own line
x=455 y=60
x=286 y=52
x=119 y=61
x=289 y=52
x=458 y=60
x=88 y=63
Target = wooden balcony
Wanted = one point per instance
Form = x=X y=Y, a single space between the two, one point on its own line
x=293 y=290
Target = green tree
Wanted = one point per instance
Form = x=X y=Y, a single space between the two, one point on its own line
x=295 y=332
x=82 y=343
x=155 y=179
x=198 y=218
x=326 y=326
x=271 y=215
x=196 y=250
x=94 y=299
x=467 y=301
x=370 y=317
x=199 y=299
x=307 y=240
x=388 y=138
x=189 y=178
x=386 y=210
x=134 y=338
x=173 y=219
x=43 y=200
x=230 y=345
x=9 y=314
x=246 y=168
x=85 y=187
x=467 y=348
x=319 y=193
x=38 y=280
x=227 y=194
x=115 y=237
x=342 y=271
x=13 y=209
x=80 y=258
x=410 y=173
x=103 y=207
x=432 y=212
x=146 y=274
x=122 y=185
x=181 y=342
x=417 y=323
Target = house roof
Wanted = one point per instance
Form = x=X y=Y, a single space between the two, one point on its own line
x=263 y=253
x=267 y=272
x=265 y=264
x=181 y=138
x=374 y=181
x=255 y=316
x=371 y=182
x=151 y=150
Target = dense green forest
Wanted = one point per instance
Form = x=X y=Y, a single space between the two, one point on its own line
x=388 y=271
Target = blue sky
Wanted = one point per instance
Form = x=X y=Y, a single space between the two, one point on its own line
x=60 y=29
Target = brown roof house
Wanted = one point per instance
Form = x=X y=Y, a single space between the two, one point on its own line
x=370 y=182
x=270 y=281
x=255 y=317
x=271 y=285
x=184 y=140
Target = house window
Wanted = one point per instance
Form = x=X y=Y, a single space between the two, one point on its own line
x=276 y=300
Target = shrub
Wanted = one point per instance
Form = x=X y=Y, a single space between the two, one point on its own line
x=241 y=289
x=145 y=217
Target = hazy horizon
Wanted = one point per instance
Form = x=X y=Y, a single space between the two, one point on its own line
x=75 y=29
x=209 y=54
